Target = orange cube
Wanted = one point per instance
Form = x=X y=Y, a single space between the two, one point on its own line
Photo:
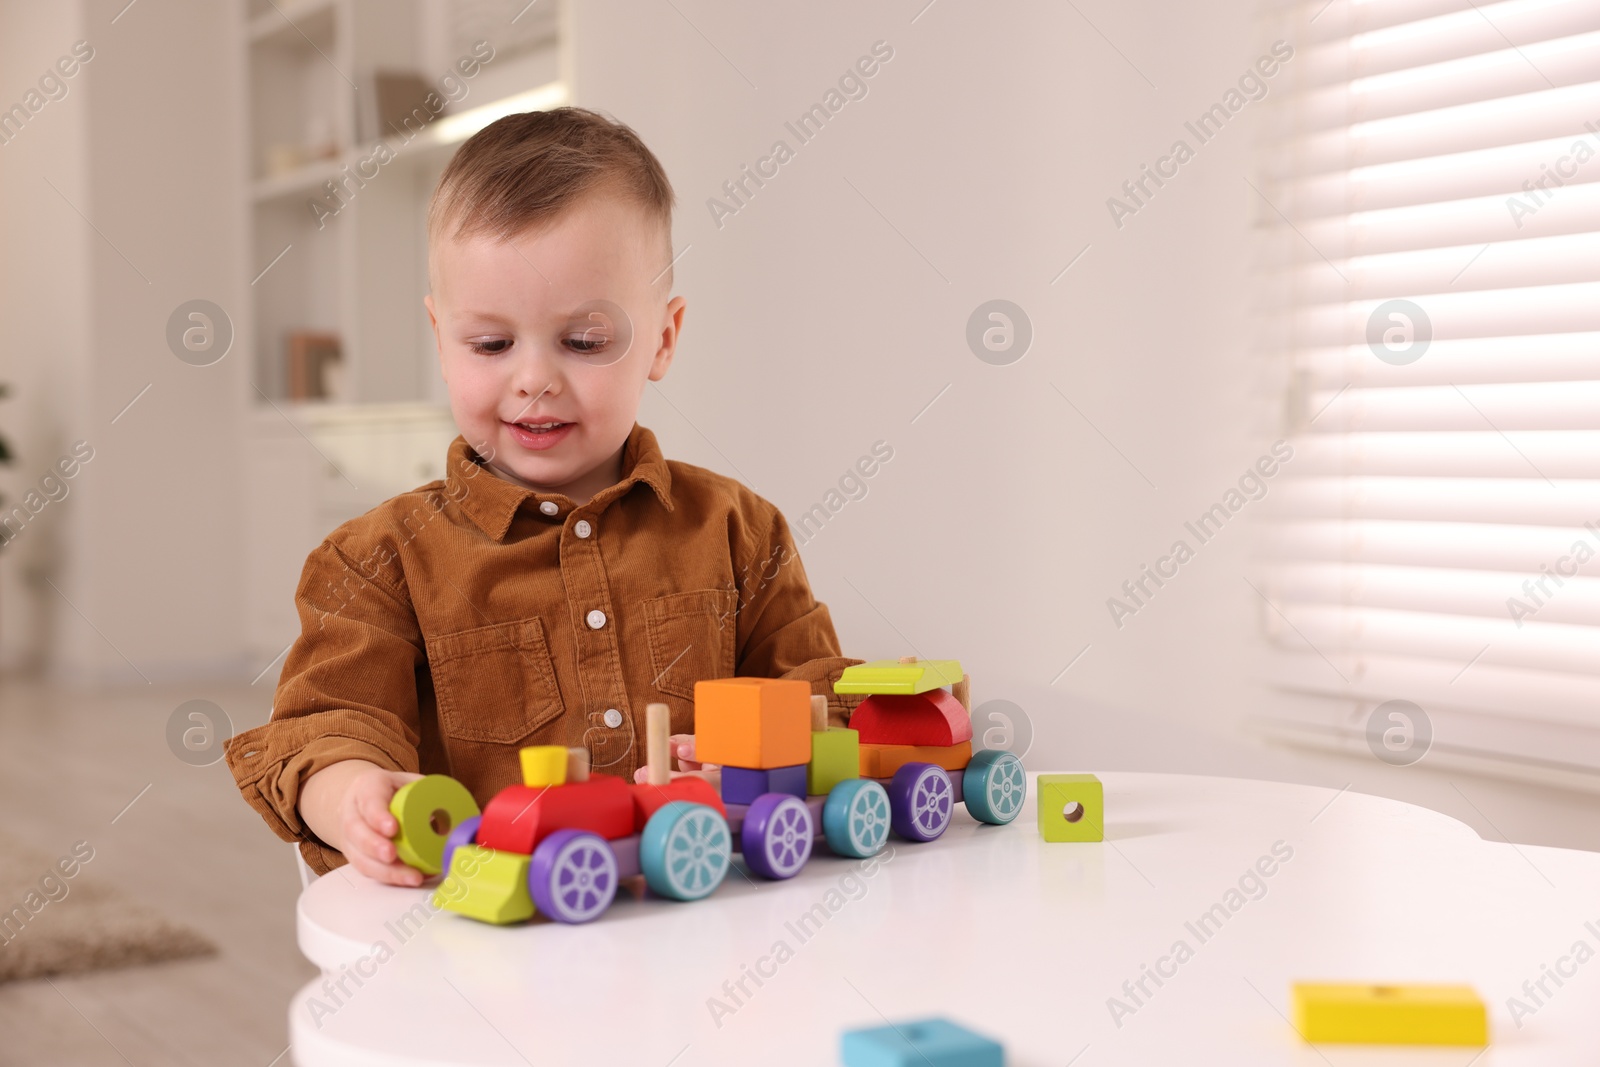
x=759 y=723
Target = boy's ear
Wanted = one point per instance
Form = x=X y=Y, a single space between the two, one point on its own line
x=669 y=339
x=433 y=320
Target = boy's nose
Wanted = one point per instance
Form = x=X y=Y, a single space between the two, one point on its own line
x=537 y=374
x=525 y=387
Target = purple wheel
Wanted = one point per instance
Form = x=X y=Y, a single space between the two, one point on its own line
x=465 y=833
x=921 y=799
x=776 y=836
x=573 y=876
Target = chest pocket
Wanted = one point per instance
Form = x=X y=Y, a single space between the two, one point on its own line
x=494 y=684
x=693 y=636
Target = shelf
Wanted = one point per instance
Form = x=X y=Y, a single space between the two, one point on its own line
x=329 y=414
x=444 y=132
x=453 y=129
x=303 y=180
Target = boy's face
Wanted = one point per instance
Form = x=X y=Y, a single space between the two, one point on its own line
x=563 y=324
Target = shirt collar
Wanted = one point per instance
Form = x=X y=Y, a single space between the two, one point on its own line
x=492 y=502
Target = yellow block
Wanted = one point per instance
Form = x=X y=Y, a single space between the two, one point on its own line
x=425 y=810
x=892 y=676
x=544 y=765
x=1390 y=1014
x=486 y=885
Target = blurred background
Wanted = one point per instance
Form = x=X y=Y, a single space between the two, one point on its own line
x=1237 y=366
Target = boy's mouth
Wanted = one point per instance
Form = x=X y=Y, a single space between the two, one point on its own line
x=539 y=435
x=546 y=426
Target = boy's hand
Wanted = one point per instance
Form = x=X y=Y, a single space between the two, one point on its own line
x=369 y=828
x=682 y=746
x=347 y=806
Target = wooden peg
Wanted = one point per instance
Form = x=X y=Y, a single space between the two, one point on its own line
x=657 y=734
x=908 y=659
x=819 y=713
x=577 y=765
x=962 y=691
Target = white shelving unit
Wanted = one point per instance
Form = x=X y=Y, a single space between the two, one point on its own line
x=338 y=246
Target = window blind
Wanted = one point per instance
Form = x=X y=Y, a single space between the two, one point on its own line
x=1430 y=202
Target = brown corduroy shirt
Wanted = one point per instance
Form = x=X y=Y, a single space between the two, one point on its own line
x=452 y=625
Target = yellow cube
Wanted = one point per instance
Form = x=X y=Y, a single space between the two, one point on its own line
x=544 y=765
x=486 y=885
x=1071 y=807
x=835 y=758
x=1390 y=1014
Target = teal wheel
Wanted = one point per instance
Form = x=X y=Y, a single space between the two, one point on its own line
x=994 y=786
x=685 y=850
x=855 y=818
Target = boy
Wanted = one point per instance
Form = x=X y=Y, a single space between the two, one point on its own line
x=563 y=574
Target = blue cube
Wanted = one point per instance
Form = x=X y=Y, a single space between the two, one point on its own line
x=920 y=1043
x=741 y=785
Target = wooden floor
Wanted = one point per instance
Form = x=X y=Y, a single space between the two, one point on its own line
x=70 y=761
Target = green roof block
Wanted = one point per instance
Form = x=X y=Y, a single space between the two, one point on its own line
x=892 y=676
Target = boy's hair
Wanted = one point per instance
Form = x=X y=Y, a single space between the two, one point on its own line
x=524 y=170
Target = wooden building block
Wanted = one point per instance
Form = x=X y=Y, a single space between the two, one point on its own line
x=647 y=798
x=1072 y=807
x=657 y=744
x=932 y=718
x=741 y=785
x=934 y=1042
x=487 y=885
x=835 y=758
x=757 y=723
x=881 y=761
x=425 y=810
x=518 y=818
x=543 y=765
x=897 y=676
x=1390 y=1014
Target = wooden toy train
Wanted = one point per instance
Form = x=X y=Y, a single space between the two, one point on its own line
x=559 y=843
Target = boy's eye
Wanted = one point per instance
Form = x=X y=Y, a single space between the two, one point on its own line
x=489 y=348
x=587 y=343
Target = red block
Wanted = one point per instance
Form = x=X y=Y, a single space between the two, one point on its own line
x=932 y=718
x=648 y=798
x=519 y=816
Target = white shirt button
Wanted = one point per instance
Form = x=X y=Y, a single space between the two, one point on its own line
x=582 y=528
x=596 y=619
x=613 y=718
x=549 y=507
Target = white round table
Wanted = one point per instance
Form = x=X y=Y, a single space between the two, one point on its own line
x=1067 y=953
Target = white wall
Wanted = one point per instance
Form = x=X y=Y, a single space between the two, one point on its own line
x=990 y=142
x=144 y=550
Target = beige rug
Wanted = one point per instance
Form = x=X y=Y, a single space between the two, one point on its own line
x=87 y=926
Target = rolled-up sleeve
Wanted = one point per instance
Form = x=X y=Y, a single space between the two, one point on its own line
x=348 y=691
x=784 y=631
